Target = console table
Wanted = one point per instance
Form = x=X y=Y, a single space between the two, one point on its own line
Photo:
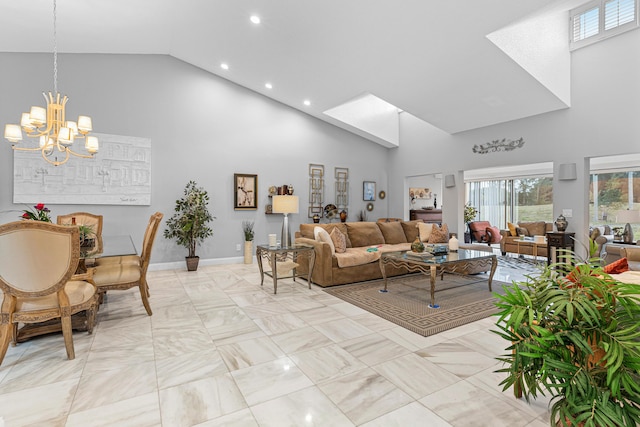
x=427 y=215
x=557 y=243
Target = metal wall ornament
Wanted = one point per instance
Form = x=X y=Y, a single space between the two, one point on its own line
x=316 y=190
x=494 y=146
x=342 y=189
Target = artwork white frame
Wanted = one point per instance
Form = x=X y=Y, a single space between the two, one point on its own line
x=120 y=174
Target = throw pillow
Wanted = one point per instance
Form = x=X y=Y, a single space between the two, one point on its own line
x=512 y=229
x=439 y=234
x=522 y=231
x=595 y=234
x=536 y=228
x=364 y=234
x=617 y=267
x=321 y=235
x=493 y=234
x=424 y=230
x=339 y=240
x=411 y=229
x=393 y=232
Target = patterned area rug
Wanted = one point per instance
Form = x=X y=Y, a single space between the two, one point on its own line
x=524 y=263
x=462 y=300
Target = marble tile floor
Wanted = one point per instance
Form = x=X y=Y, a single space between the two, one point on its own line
x=220 y=350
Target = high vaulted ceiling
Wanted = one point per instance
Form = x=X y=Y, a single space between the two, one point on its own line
x=456 y=64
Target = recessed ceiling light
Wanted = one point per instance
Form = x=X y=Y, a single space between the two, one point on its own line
x=224 y=66
x=306 y=102
x=255 y=19
x=268 y=85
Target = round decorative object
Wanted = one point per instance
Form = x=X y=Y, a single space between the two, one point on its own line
x=561 y=223
x=417 y=245
x=382 y=195
x=330 y=211
x=273 y=190
x=369 y=207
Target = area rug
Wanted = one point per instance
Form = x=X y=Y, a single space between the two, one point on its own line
x=528 y=264
x=462 y=300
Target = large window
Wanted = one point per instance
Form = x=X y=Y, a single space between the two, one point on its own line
x=512 y=200
x=615 y=199
x=600 y=19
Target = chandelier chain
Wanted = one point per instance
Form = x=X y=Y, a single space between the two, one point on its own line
x=55 y=50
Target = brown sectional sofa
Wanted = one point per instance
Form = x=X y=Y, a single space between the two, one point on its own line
x=386 y=236
x=529 y=229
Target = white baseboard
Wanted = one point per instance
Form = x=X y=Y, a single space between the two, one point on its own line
x=181 y=264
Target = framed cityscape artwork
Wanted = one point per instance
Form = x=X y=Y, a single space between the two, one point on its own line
x=245 y=191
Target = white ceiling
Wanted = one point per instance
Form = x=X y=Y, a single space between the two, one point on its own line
x=433 y=59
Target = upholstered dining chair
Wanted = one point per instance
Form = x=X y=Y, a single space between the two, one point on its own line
x=82 y=218
x=38 y=261
x=121 y=273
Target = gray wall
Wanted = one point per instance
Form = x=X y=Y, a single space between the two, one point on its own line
x=202 y=127
x=603 y=120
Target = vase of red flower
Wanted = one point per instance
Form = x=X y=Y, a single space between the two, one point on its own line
x=39 y=213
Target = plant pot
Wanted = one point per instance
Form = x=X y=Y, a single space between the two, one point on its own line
x=192 y=262
x=248 y=252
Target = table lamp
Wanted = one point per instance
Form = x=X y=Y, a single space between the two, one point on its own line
x=285 y=205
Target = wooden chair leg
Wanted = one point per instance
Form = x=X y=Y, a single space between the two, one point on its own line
x=91 y=317
x=14 y=334
x=5 y=338
x=145 y=299
x=67 y=333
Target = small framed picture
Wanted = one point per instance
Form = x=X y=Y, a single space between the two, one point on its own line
x=245 y=191
x=368 y=191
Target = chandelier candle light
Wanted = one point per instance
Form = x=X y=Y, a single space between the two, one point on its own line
x=50 y=126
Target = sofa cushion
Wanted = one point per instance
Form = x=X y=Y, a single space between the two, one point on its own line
x=439 y=234
x=537 y=228
x=512 y=229
x=479 y=230
x=617 y=267
x=364 y=234
x=306 y=230
x=321 y=235
x=493 y=234
x=339 y=240
x=424 y=230
x=411 y=229
x=392 y=232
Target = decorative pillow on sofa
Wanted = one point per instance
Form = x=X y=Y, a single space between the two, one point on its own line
x=339 y=240
x=493 y=235
x=439 y=234
x=537 y=228
x=424 y=231
x=617 y=267
x=393 y=232
x=411 y=229
x=479 y=230
x=512 y=229
x=321 y=235
x=364 y=234
x=595 y=234
x=307 y=230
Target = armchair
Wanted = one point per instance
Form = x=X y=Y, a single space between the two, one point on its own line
x=37 y=265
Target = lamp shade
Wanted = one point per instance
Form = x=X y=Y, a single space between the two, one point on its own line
x=13 y=133
x=285 y=204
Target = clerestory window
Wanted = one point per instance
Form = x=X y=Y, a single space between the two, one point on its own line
x=600 y=19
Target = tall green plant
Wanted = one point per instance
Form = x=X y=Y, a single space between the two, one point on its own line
x=188 y=225
x=578 y=340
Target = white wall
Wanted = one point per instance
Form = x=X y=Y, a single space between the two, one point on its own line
x=603 y=120
x=202 y=127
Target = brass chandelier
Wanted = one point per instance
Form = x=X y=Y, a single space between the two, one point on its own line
x=49 y=125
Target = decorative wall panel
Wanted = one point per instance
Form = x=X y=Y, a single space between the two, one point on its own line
x=342 y=189
x=316 y=190
x=120 y=174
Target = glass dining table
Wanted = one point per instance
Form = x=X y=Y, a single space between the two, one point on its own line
x=106 y=246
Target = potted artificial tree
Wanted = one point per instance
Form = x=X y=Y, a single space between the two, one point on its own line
x=470 y=213
x=188 y=225
x=247 y=229
x=577 y=338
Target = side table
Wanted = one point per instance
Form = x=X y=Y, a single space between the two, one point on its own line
x=557 y=244
x=275 y=254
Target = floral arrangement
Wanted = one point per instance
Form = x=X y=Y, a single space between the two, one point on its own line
x=40 y=213
x=470 y=213
x=247 y=228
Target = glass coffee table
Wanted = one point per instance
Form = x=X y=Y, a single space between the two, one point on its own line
x=275 y=254
x=461 y=262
